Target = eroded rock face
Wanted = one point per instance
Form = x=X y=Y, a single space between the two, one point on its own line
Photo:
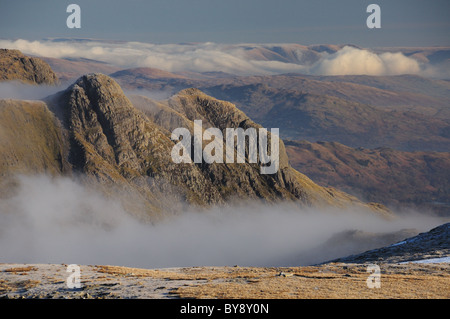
x=16 y=66
x=113 y=143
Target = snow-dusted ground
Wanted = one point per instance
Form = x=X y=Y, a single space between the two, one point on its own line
x=430 y=261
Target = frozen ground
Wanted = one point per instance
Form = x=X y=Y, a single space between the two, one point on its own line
x=337 y=280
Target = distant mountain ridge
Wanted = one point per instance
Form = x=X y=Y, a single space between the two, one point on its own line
x=419 y=180
x=328 y=118
x=357 y=112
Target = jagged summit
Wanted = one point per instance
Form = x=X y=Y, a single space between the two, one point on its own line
x=113 y=143
x=16 y=66
x=96 y=81
x=98 y=113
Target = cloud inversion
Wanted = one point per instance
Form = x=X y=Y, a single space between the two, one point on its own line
x=239 y=59
x=57 y=220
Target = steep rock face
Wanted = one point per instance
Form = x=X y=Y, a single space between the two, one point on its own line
x=196 y=105
x=113 y=143
x=16 y=66
x=23 y=146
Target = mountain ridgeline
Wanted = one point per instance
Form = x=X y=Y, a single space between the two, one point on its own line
x=93 y=132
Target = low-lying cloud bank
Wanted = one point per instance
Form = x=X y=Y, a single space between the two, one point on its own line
x=23 y=91
x=57 y=220
x=237 y=59
x=352 y=61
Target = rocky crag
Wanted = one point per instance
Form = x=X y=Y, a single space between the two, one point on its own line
x=16 y=66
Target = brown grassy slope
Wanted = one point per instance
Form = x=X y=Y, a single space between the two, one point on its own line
x=383 y=175
x=31 y=142
x=397 y=92
x=30 y=139
x=398 y=83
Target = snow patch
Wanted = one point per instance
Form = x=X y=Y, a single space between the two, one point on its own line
x=430 y=261
x=399 y=243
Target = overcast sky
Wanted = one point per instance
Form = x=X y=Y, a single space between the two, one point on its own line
x=403 y=22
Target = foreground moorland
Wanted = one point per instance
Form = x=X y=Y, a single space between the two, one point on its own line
x=335 y=280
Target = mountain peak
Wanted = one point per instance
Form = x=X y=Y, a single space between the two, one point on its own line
x=97 y=83
x=191 y=92
x=101 y=120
